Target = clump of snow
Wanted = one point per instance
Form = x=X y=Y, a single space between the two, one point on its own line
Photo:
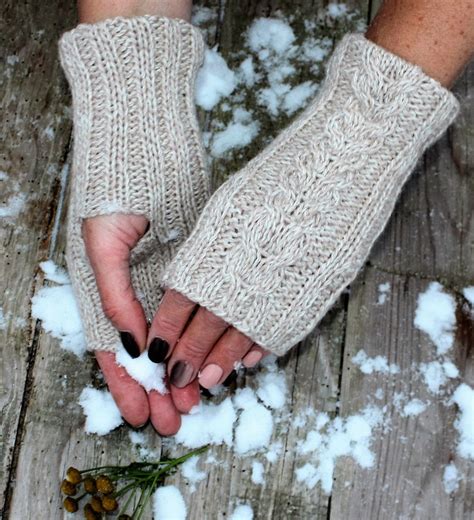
x=150 y=375
x=468 y=293
x=242 y=512
x=191 y=473
x=202 y=15
x=208 y=424
x=369 y=365
x=270 y=34
x=341 y=437
x=413 y=407
x=274 y=451
x=57 y=309
x=214 y=80
x=102 y=414
x=298 y=96
x=436 y=316
x=436 y=374
x=257 y=472
x=238 y=133
x=384 y=290
x=13 y=206
x=168 y=504
x=451 y=478
x=337 y=10
x=272 y=390
x=464 y=424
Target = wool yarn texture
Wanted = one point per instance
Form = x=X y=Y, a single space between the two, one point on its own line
x=137 y=148
x=278 y=242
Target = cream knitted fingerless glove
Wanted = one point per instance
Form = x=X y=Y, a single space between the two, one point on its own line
x=277 y=243
x=137 y=148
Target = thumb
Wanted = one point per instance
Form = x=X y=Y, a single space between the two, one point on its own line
x=108 y=240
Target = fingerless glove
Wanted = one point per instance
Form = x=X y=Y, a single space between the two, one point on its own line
x=137 y=148
x=278 y=242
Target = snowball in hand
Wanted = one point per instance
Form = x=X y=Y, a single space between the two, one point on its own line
x=150 y=375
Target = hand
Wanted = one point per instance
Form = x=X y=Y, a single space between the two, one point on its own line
x=209 y=348
x=109 y=240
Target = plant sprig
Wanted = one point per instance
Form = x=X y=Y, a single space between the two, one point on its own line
x=106 y=485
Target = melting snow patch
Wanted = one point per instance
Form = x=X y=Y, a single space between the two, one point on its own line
x=242 y=512
x=413 y=407
x=257 y=472
x=102 y=414
x=451 y=478
x=436 y=374
x=464 y=424
x=369 y=365
x=468 y=293
x=13 y=206
x=191 y=473
x=384 y=290
x=168 y=504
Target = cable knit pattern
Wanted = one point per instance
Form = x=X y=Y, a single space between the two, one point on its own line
x=277 y=243
x=137 y=147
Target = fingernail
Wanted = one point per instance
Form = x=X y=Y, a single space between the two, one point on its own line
x=129 y=344
x=252 y=358
x=210 y=376
x=230 y=378
x=181 y=374
x=158 y=350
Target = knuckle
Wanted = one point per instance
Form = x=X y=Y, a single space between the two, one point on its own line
x=194 y=349
x=166 y=324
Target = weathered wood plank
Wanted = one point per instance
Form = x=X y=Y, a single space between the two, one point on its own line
x=406 y=482
x=34 y=132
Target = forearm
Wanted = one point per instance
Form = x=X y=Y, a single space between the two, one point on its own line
x=437 y=35
x=91 y=11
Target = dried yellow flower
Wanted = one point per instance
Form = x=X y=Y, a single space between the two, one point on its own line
x=109 y=503
x=68 y=488
x=73 y=475
x=104 y=484
x=70 y=505
x=89 y=513
x=90 y=485
x=96 y=504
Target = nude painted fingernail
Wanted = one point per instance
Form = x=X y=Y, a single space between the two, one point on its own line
x=181 y=374
x=252 y=358
x=210 y=376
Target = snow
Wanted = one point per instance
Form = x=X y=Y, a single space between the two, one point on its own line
x=168 y=504
x=254 y=429
x=257 y=473
x=191 y=473
x=13 y=206
x=57 y=309
x=336 y=10
x=270 y=34
x=150 y=375
x=208 y=424
x=436 y=316
x=237 y=134
x=298 y=96
x=214 y=80
x=102 y=414
x=436 y=374
x=384 y=290
x=370 y=365
x=349 y=436
x=3 y=321
x=413 y=407
x=464 y=424
x=451 y=478
x=242 y=512
x=272 y=390
x=468 y=293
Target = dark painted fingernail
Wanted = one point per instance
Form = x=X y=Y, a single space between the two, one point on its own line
x=129 y=344
x=182 y=374
x=230 y=378
x=158 y=350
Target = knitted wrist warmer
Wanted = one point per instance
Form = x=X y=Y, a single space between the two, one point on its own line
x=137 y=148
x=277 y=243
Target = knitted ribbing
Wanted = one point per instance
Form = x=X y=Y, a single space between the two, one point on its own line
x=277 y=243
x=137 y=147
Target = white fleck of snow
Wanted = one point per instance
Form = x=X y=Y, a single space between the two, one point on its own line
x=3 y=175
x=270 y=33
x=272 y=389
x=202 y=15
x=257 y=472
x=13 y=206
x=336 y=10
x=464 y=424
x=102 y=414
x=12 y=59
x=413 y=407
x=137 y=438
x=57 y=309
x=3 y=321
x=214 y=80
x=379 y=393
x=239 y=133
x=436 y=316
x=54 y=273
x=208 y=424
x=49 y=132
x=384 y=289
x=168 y=504
x=150 y=375
x=242 y=512
x=369 y=365
x=468 y=293
x=217 y=390
x=436 y=374
x=274 y=451
x=298 y=96
x=451 y=478
x=191 y=473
